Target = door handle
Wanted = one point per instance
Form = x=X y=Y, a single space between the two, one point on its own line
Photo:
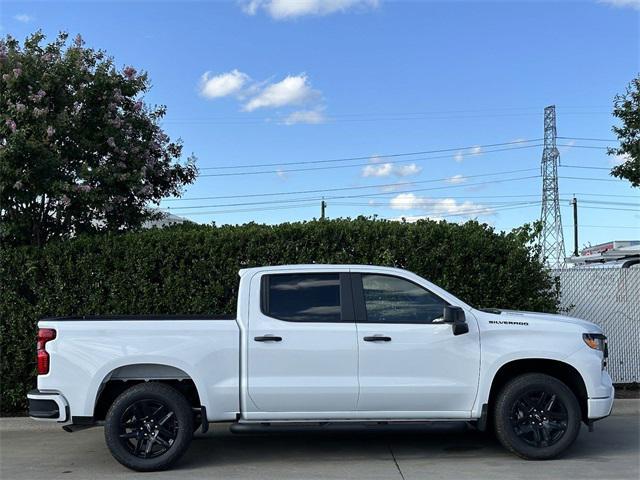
x=377 y=338
x=268 y=338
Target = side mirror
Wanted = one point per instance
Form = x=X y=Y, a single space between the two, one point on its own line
x=455 y=316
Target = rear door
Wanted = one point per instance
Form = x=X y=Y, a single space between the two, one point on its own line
x=410 y=364
x=302 y=346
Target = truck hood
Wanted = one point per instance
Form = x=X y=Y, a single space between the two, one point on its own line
x=516 y=315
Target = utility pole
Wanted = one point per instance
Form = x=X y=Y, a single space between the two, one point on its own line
x=552 y=237
x=323 y=207
x=574 y=203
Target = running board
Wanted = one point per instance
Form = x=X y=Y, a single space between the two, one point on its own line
x=388 y=426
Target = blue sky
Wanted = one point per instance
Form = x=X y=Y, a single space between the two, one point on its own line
x=269 y=82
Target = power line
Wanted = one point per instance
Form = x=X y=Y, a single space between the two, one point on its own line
x=588 y=139
x=368 y=157
x=376 y=116
x=593 y=147
x=594 y=179
x=611 y=208
x=369 y=163
x=394 y=185
x=585 y=166
x=605 y=226
x=366 y=195
x=338 y=189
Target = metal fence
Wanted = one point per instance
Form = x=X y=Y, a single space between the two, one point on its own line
x=609 y=297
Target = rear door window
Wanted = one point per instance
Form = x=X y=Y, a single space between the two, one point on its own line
x=302 y=297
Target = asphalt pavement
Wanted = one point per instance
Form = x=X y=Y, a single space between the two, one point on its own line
x=36 y=450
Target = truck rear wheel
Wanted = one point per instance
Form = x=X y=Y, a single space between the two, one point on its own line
x=536 y=416
x=149 y=427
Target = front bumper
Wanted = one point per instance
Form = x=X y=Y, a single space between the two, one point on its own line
x=49 y=406
x=600 y=407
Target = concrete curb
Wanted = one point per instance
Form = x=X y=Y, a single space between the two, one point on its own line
x=626 y=406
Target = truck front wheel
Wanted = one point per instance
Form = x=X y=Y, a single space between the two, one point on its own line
x=536 y=416
x=149 y=427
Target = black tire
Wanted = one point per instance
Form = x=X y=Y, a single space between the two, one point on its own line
x=149 y=427
x=536 y=416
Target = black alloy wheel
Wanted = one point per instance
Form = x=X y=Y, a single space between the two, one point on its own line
x=148 y=428
x=536 y=416
x=539 y=418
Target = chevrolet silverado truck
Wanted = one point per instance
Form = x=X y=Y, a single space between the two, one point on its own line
x=317 y=344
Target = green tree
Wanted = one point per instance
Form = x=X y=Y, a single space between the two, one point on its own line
x=80 y=151
x=627 y=109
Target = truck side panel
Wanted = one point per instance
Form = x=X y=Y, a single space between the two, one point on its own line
x=86 y=353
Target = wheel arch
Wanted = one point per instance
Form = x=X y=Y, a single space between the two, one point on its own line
x=123 y=377
x=563 y=371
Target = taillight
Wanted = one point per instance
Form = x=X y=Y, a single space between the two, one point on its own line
x=44 y=335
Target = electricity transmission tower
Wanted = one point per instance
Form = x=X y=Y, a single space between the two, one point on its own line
x=552 y=237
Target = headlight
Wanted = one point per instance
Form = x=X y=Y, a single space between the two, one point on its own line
x=597 y=341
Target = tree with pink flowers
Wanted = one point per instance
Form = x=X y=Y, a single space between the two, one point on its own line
x=80 y=150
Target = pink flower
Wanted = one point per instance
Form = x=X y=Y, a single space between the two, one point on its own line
x=66 y=201
x=18 y=185
x=37 y=112
x=50 y=131
x=78 y=42
x=20 y=107
x=11 y=124
x=111 y=142
x=47 y=57
x=5 y=77
x=17 y=72
x=83 y=188
x=3 y=51
x=137 y=106
x=129 y=72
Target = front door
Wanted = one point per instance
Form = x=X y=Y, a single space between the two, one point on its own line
x=410 y=364
x=302 y=346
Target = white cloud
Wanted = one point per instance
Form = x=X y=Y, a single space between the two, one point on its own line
x=379 y=169
x=23 y=17
x=293 y=90
x=223 y=85
x=566 y=147
x=456 y=179
x=622 y=3
x=289 y=9
x=460 y=155
x=440 y=207
x=616 y=160
x=312 y=117
x=407 y=170
x=281 y=174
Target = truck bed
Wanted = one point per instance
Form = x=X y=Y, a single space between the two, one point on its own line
x=90 y=351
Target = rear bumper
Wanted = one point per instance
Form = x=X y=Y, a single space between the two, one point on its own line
x=49 y=406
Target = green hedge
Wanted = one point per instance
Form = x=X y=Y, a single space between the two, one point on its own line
x=193 y=269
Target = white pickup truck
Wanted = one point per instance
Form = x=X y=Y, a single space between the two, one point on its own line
x=323 y=343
